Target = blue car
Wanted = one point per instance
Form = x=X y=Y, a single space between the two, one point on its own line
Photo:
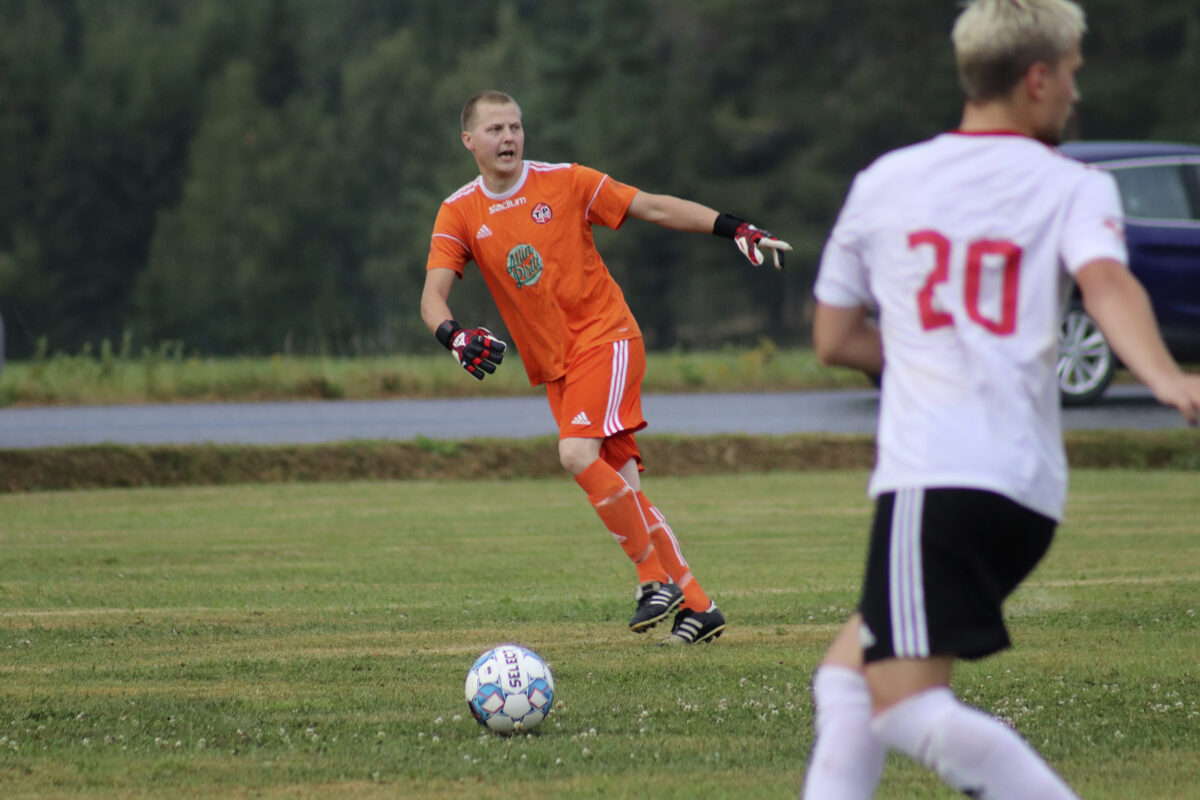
x=1160 y=190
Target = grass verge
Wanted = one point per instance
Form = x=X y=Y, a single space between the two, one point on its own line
x=109 y=466
x=166 y=375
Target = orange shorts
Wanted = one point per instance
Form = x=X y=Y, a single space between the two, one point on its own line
x=600 y=397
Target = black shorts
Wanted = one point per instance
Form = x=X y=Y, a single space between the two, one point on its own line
x=940 y=564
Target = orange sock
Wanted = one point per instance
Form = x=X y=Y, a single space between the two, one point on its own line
x=667 y=547
x=620 y=512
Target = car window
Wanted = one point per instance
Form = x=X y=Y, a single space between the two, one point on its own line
x=1194 y=174
x=1155 y=192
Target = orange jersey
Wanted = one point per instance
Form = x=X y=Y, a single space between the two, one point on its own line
x=534 y=246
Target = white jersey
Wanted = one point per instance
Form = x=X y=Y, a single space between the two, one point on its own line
x=965 y=243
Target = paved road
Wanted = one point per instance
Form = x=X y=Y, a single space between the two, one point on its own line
x=1127 y=407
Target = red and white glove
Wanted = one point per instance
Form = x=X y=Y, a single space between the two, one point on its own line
x=476 y=349
x=751 y=240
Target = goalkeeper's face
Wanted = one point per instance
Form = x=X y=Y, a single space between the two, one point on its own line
x=496 y=139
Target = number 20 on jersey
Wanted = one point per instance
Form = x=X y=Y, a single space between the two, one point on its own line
x=1005 y=252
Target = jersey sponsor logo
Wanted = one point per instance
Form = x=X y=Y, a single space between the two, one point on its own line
x=524 y=265
x=483 y=232
x=505 y=205
x=541 y=213
x=581 y=419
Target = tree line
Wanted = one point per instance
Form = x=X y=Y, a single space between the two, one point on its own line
x=262 y=177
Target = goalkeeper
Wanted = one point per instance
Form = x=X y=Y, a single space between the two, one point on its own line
x=528 y=227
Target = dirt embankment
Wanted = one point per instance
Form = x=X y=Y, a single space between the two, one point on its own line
x=118 y=466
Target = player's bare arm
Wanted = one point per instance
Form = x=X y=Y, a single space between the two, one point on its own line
x=686 y=215
x=1118 y=303
x=847 y=337
x=434 y=297
x=673 y=212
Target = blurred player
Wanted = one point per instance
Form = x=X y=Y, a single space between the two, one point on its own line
x=528 y=227
x=965 y=245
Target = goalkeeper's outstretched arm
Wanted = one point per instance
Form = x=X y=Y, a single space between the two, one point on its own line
x=673 y=212
x=686 y=215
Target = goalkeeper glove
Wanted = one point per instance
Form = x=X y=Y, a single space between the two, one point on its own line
x=750 y=239
x=475 y=348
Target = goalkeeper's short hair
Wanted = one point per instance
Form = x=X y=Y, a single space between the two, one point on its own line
x=493 y=96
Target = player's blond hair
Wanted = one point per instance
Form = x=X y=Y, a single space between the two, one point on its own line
x=997 y=41
x=492 y=96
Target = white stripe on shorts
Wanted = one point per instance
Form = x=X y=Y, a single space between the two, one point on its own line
x=616 y=389
x=906 y=590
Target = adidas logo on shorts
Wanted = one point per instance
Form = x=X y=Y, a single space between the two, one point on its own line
x=581 y=419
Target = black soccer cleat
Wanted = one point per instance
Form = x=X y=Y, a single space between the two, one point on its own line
x=693 y=627
x=654 y=602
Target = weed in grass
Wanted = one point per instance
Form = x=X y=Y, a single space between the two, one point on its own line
x=439 y=447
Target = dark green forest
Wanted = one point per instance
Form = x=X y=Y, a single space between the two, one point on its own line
x=261 y=176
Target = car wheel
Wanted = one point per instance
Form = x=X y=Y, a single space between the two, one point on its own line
x=1086 y=363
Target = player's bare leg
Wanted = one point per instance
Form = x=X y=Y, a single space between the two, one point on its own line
x=895 y=679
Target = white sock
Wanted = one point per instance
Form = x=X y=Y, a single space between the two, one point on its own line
x=976 y=754
x=847 y=758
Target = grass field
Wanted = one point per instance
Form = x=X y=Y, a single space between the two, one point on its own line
x=310 y=640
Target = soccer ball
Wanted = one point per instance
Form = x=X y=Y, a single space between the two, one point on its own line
x=509 y=688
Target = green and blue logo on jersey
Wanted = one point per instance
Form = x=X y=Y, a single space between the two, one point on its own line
x=524 y=265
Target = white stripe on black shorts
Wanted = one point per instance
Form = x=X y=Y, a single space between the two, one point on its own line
x=940 y=563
